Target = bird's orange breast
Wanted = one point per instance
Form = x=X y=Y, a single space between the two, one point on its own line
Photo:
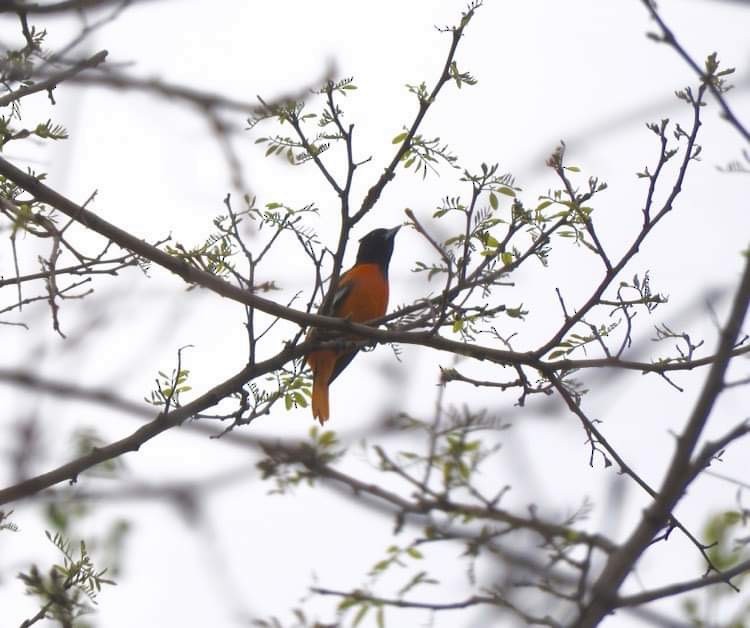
x=367 y=296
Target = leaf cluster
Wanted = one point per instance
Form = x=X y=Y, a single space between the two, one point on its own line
x=69 y=589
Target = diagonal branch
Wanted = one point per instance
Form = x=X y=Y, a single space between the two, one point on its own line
x=669 y=38
x=223 y=288
x=619 y=565
x=683 y=587
x=390 y=171
x=52 y=81
x=161 y=423
x=667 y=206
x=423 y=507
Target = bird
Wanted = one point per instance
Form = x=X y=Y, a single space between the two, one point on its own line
x=361 y=295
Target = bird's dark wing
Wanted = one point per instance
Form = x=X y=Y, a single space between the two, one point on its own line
x=341 y=363
x=342 y=292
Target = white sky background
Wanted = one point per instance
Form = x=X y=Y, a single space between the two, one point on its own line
x=581 y=71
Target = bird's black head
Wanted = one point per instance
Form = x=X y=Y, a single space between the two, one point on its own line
x=377 y=247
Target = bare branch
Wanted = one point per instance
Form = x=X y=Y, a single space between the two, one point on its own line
x=161 y=423
x=679 y=474
x=683 y=587
x=54 y=79
x=669 y=38
x=62 y=6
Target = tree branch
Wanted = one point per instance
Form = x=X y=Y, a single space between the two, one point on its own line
x=54 y=79
x=656 y=516
x=161 y=423
x=683 y=587
x=669 y=38
x=434 y=606
x=390 y=171
x=20 y=6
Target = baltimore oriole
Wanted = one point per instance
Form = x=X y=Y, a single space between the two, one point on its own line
x=361 y=295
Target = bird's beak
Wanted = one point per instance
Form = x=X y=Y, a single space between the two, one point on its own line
x=391 y=233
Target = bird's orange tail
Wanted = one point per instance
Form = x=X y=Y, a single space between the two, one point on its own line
x=322 y=363
x=320 y=402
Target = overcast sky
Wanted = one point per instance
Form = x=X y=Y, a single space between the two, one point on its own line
x=580 y=71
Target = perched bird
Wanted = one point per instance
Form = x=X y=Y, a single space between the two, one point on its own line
x=361 y=295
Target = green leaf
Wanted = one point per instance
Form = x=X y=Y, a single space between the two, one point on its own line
x=360 y=615
x=507 y=258
x=447 y=472
x=347 y=602
x=381 y=565
x=573 y=168
x=732 y=517
x=414 y=553
x=399 y=138
x=328 y=439
x=493 y=200
x=516 y=312
x=507 y=191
